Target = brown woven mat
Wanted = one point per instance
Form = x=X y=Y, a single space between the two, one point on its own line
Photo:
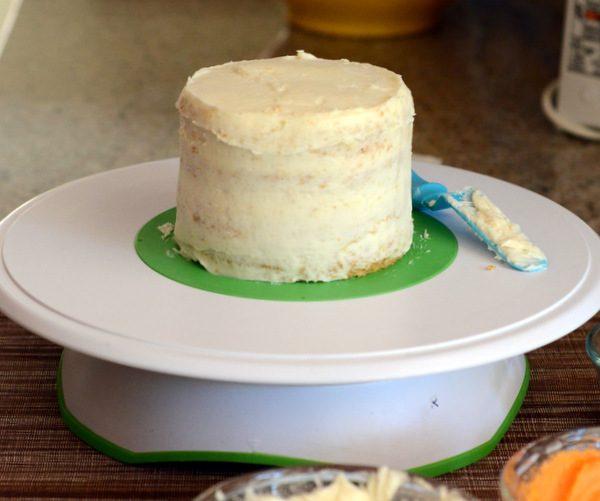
x=40 y=458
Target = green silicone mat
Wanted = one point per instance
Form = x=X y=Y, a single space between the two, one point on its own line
x=433 y=250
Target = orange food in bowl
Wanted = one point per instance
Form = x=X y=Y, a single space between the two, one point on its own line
x=568 y=475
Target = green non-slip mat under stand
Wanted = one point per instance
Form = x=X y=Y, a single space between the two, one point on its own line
x=433 y=250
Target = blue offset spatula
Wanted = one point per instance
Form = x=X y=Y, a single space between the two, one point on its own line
x=489 y=223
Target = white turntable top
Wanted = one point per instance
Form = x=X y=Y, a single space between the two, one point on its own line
x=70 y=273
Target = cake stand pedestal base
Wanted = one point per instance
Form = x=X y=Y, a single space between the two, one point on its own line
x=430 y=425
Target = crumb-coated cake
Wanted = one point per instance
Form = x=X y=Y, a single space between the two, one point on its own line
x=294 y=168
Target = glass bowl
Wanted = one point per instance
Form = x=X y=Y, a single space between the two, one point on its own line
x=541 y=458
x=284 y=483
x=592 y=346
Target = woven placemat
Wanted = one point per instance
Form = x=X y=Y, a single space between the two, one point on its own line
x=41 y=458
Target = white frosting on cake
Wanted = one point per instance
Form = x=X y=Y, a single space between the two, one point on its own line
x=294 y=168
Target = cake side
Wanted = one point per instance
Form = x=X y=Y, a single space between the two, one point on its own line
x=263 y=205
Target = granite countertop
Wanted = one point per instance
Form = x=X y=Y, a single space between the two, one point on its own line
x=89 y=86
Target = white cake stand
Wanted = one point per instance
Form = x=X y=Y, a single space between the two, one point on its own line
x=426 y=378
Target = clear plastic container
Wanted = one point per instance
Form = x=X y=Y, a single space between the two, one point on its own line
x=287 y=482
x=592 y=346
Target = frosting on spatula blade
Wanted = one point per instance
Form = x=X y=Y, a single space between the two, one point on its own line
x=502 y=235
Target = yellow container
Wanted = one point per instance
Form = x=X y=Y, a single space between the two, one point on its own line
x=365 y=18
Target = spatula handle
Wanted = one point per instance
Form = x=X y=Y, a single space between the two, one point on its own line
x=425 y=194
